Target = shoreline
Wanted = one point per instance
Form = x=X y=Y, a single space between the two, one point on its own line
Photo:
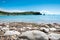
x=28 y=23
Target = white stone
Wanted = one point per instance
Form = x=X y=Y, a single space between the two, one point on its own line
x=52 y=29
x=12 y=33
x=46 y=29
x=54 y=36
x=29 y=27
x=5 y=29
x=22 y=29
x=57 y=26
x=35 y=35
x=7 y=26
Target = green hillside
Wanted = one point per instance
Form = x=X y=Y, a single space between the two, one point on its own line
x=19 y=13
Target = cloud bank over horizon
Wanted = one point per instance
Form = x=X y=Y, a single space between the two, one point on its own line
x=14 y=10
x=11 y=10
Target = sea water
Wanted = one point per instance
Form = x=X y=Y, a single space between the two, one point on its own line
x=31 y=18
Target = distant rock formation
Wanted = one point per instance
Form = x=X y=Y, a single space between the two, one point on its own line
x=20 y=13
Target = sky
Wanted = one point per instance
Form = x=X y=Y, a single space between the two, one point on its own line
x=43 y=6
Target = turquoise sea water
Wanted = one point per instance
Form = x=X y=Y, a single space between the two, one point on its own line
x=31 y=18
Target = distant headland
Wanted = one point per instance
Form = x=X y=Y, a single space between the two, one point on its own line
x=20 y=13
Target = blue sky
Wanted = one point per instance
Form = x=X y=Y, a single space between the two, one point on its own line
x=47 y=6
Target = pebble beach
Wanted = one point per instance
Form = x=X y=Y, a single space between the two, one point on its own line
x=24 y=31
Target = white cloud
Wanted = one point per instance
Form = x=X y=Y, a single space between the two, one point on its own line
x=14 y=11
x=11 y=10
x=46 y=12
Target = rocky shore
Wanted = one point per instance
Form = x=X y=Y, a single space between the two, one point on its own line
x=30 y=31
